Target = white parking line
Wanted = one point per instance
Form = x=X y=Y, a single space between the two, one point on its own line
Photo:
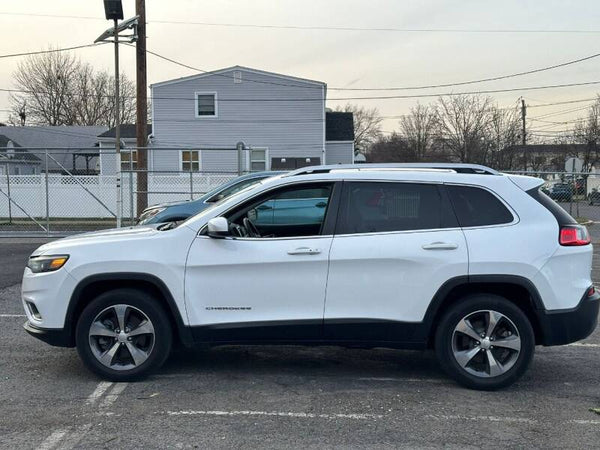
x=296 y=415
x=586 y=422
x=583 y=344
x=12 y=315
x=72 y=439
x=362 y=416
x=112 y=396
x=52 y=441
x=100 y=389
x=482 y=418
x=404 y=380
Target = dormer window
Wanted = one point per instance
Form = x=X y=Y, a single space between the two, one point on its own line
x=206 y=104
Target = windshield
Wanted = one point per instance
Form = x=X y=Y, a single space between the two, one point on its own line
x=229 y=191
x=218 y=203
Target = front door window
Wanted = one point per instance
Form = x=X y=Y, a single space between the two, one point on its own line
x=288 y=212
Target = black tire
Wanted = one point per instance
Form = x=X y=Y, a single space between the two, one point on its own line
x=144 y=303
x=472 y=305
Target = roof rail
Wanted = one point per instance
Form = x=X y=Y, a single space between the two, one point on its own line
x=456 y=167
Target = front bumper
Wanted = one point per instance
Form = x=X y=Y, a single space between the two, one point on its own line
x=565 y=326
x=58 y=337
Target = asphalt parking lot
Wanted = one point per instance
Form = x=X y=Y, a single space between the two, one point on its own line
x=280 y=397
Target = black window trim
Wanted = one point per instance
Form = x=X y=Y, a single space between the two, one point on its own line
x=329 y=223
x=516 y=218
x=442 y=192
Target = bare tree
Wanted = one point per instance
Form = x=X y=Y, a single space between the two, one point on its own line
x=127 y=99
x=45 y=80
x=504 y=132
x=57 y=89
x=587 y=131
x=462 y=122
x=367 y=125
x=392 y=148
x=418 y=128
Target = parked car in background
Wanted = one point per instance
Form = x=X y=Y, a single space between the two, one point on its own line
x=594 y=197
x=175 y=211
x=562 y=192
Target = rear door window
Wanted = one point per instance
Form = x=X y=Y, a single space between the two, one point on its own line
x=477 y=207
x=372 y=207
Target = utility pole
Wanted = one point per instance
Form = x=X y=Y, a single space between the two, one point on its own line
x=524 y=132
x=141 y=124
x=118 y=128
x=113 y=10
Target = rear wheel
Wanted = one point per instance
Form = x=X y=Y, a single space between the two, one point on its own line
x=123 y=335
x=485 y=342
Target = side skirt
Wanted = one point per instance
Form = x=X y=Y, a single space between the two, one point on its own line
x=365 y=333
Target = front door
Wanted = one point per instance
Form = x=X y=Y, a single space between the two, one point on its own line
x=395 y=245
x=269 y=286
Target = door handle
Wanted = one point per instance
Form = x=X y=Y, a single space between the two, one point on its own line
x=440 y=246
x=304 y=251
x=321 y=205
x=263 y=208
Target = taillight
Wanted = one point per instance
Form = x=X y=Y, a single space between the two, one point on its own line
x=574 y=235
x=591 y=291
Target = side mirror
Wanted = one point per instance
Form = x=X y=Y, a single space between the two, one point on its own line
x=218 y=227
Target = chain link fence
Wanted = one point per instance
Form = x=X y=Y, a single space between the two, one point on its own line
x=62 y=191
x=578 y=193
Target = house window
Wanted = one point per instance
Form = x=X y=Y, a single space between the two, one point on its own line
x=190 y=161
x=258 y=160
x=129 y=159
x=237 y=77
x=206 y=104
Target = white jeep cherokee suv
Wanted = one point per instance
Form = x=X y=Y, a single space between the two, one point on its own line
x=479 y=265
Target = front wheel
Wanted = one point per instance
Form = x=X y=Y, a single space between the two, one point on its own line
x=485 y=342
x=123 y=335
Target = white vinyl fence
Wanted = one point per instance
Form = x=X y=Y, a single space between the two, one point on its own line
x=95 y=196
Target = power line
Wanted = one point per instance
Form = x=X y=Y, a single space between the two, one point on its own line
x=387 y=97
x=560 y=113
x=55 y=50
x=405 y=88
x=329 y=28
x=564 y=103
x=462 y=83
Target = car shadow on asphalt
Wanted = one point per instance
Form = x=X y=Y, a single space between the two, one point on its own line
x=305 y=361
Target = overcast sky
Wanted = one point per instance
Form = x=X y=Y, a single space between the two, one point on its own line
x=339 y=58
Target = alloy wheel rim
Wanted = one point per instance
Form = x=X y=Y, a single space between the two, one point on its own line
x=121 y=337
x=486 y=343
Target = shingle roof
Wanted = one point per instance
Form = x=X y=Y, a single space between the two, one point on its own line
x=62 y=136
x=339 y=126
x=127 y=131
x=69 y=139
x=19 y=153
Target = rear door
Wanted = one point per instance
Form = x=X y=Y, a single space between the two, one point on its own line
x=395 y=244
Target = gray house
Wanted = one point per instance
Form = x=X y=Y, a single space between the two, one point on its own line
x=282 y=120
x=72 y=148
x=15 y=160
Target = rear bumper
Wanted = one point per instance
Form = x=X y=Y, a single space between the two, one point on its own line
x=58 y=337
x=565 y=326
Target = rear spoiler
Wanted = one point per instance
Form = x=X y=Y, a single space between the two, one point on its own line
x=525 y=182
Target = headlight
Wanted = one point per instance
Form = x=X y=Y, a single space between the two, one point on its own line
x=39 y=264
x=149 y=214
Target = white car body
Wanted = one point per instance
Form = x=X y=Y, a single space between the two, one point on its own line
x=326 y=288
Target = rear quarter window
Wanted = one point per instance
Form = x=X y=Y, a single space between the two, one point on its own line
x=562 y=217
x=477 y=207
